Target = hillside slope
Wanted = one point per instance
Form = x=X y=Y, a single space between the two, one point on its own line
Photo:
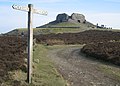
x=63 y=24
x=63 y=27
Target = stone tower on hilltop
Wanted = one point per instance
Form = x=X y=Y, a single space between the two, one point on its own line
x=78 y=17
x=75 y=17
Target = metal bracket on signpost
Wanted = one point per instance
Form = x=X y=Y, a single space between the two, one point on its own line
x=30 y=11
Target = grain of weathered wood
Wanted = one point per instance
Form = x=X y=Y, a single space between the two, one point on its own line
x=30 y=42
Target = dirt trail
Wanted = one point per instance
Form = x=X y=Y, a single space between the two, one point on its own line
x=79 y=70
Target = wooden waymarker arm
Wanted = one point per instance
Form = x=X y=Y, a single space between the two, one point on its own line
x=41 y=12
x=22 y=8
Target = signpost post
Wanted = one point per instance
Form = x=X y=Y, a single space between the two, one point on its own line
x=30 y=11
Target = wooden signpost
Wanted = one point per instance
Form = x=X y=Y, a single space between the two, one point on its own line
x=30 y=11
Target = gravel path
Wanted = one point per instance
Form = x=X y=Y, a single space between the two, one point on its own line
x=79 y=70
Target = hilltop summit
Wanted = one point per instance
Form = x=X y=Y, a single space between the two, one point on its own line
x=75 y=20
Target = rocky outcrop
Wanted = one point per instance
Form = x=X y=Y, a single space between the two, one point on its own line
x=62 y=17
x=78 y=17
x=75 y=17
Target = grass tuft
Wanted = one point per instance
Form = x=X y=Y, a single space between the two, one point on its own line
x=44 y=72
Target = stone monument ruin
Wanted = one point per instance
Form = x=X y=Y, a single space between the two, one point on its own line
x=75 y=17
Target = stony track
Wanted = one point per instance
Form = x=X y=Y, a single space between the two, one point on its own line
x=81 y=71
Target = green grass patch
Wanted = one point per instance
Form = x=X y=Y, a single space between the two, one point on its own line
x=112 y=71
x=64 y=27
x=52 y=30
x=57 y=30
x=66 y=24
x=44 y=72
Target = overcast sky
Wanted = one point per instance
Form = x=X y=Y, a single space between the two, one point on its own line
x=105 y=12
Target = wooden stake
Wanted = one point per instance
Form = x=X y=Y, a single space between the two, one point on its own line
x=30 y=43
